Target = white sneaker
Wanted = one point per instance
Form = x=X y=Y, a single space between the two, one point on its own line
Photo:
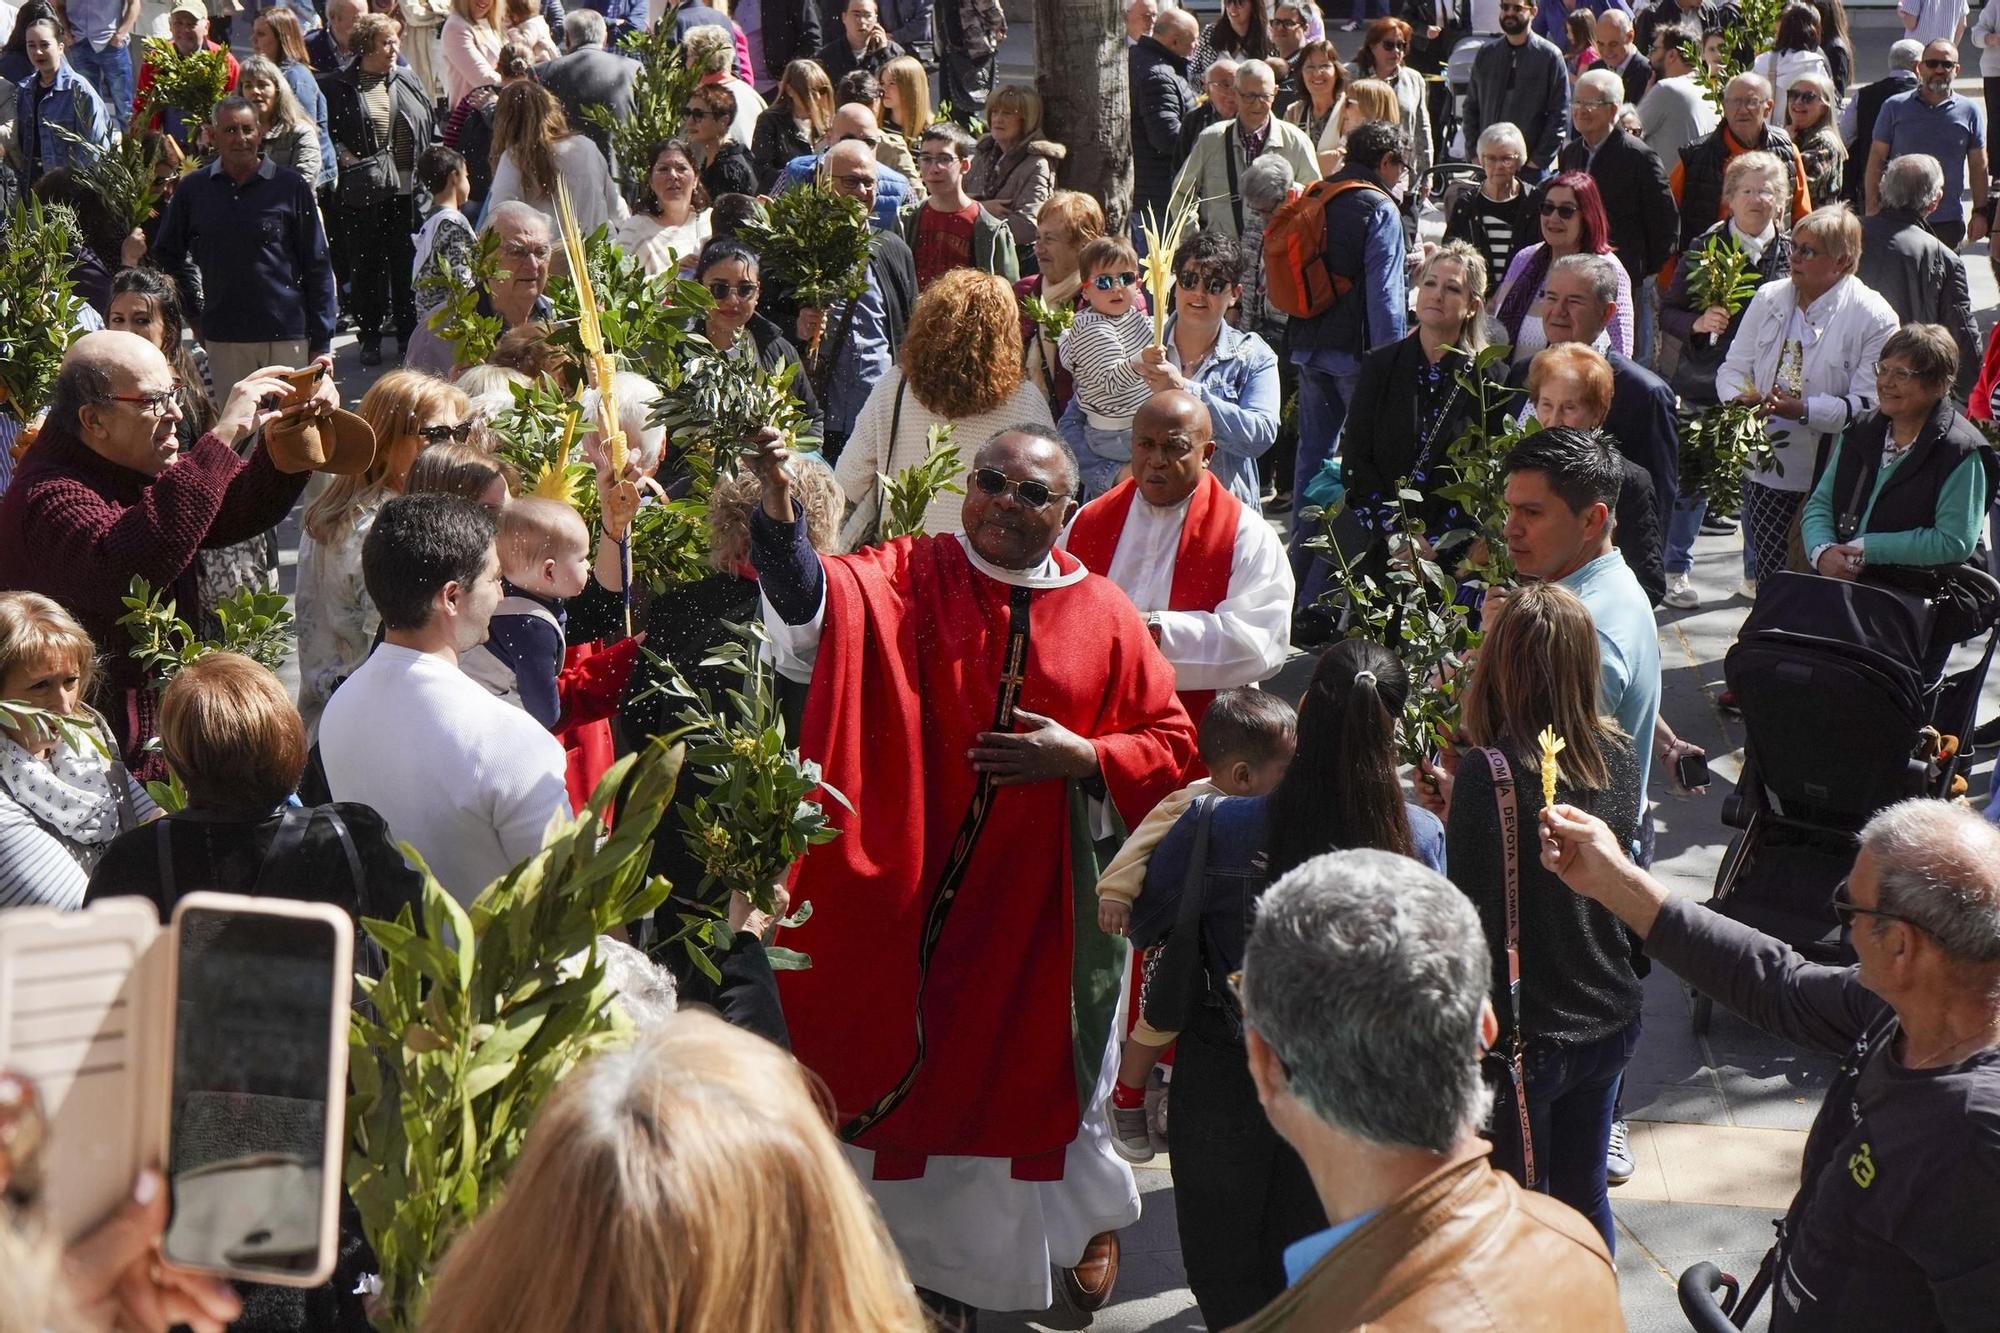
x=1130 y=1137
x=1747 y=590
x=1681 y=593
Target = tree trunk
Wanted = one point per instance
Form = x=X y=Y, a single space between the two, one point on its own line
x=1086 y=98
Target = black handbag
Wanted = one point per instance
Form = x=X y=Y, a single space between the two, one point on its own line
x=1176 y=981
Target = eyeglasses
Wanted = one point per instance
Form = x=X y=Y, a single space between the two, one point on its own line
x=938 y=160
x=1552 y=209
x=1392 y=46
x=458 y=434
x=520 y=251
x=1213 y=285
x=1900 y=374
x=1286 y=23
x=1111 y=282
x=1847 y=909
x=722 y=291
x=1802 y=95
x=862 y=183
x=1593 y=106
x=703 y=113
x=1743 y=104
x=1940 y=64
x=155 y=404
x=1033 y=494
x=1242 y=96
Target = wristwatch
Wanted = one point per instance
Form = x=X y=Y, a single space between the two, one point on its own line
x=1152 y=619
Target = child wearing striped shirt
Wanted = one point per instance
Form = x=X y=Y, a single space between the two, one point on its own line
x=1098 y=351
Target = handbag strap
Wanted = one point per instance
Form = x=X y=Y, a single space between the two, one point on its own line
x=1194 y=884
x=1229 y=163
x=1507 y=805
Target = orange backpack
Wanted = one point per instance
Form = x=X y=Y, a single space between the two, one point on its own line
x=1297 y=278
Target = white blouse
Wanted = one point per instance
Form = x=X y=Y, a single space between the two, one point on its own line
x=657 y=245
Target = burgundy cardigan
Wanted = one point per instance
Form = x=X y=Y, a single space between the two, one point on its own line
x=77 y=527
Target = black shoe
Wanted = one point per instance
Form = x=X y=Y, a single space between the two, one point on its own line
x=1718 y=527
x=371 y=351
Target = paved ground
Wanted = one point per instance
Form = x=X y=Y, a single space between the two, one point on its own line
x=1718 y=1119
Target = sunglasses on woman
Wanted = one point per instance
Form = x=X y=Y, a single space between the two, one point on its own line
x=1191 y=280
x=1551 y=209
x=1802 y=95
x=703 y=113
x=458 y=434
x=1111 y=282
x=1033 y=494
x=722 y=291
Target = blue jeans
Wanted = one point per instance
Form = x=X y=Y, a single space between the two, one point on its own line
x=1572 y=1091
x=1323 y=399
x=110 y=73
x=1683 y=526
x=1099 y=464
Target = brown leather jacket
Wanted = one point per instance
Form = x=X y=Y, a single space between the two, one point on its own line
x=1466 y=1250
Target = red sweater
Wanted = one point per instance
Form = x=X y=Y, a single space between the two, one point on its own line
x=77 y=527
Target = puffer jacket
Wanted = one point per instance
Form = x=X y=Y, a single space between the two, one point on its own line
x=1020 y=177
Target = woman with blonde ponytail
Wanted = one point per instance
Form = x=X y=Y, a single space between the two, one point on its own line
x=688 y=1183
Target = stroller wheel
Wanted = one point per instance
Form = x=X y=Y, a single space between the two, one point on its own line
x=1700 y=1013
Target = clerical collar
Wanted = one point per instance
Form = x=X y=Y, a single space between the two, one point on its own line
x=1048 y=574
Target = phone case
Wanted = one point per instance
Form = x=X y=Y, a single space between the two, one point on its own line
x=87 y=1012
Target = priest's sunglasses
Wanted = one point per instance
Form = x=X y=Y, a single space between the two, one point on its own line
x=1033 y=494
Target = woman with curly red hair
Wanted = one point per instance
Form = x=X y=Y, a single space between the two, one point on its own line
x=1573 y=222
x=960 y=367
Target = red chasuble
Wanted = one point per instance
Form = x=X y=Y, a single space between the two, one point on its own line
x=1202 y=563
x=938 y=1007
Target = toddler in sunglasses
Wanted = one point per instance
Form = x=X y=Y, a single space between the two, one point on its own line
x=1098 y=352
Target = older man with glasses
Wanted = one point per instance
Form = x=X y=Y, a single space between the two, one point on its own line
x=1225 y=150
x=1645 y=224
x=108 y=494
x=1933 y=119
x=1896 y=1224
x=1745 y=127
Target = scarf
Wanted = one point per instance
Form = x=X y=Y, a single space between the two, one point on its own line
x=71 y=796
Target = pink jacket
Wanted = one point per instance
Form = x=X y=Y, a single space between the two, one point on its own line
x=471 y=52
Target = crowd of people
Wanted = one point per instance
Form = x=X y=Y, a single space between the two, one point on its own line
x=1078 y=830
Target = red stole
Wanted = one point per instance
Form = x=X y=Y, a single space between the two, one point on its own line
x=908 y=672
x=1202 y=564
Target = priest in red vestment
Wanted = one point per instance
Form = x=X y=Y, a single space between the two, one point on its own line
x=997 y=715
x=1205 y=570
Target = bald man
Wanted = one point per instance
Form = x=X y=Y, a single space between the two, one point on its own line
x=1204 y=570
x=1163 y=103
x=854 y=130
x=860 y=337
x=107 y=493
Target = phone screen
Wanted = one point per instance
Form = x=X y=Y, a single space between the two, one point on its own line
x=252 y=1062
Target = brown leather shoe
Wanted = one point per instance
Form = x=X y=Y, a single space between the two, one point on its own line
x=1090 y=1283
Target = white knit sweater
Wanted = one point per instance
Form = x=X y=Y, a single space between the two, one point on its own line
x=870 y=450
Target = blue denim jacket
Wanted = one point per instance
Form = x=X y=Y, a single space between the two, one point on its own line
x=71 y=103
x=1238 y=384
x=1235 y=876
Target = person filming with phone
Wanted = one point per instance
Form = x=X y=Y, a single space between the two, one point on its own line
x=1896 y=1224
x=106 y=493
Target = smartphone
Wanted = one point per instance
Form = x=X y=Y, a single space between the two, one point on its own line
x=303 y=383
x=256 y=1099
x=215 y=1048
x=1691 y=771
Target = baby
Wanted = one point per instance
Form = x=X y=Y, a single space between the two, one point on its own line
x=1246 y=741
x=544 y=559
x=1098 y=352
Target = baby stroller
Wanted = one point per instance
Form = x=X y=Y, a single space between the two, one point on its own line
x=1842 y=721
x=1458 y=76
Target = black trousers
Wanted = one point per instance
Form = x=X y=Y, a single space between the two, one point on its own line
x=1241 y=1195
x=380 y=252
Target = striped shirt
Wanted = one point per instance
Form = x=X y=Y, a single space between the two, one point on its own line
x=1098 y=353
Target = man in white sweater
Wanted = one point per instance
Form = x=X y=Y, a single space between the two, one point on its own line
x=465 y=778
